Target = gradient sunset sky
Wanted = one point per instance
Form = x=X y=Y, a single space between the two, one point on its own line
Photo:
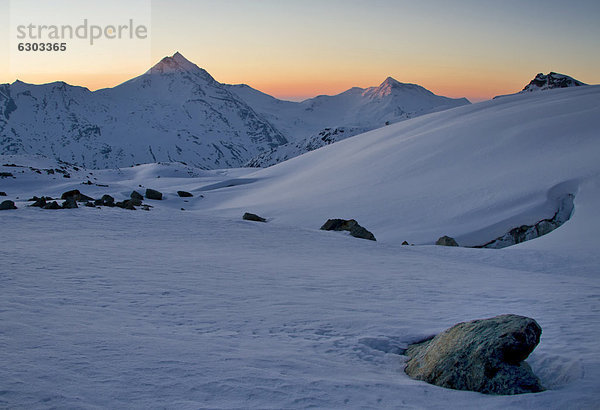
x=298 y=49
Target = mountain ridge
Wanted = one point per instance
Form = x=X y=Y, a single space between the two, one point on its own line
x=176 y=111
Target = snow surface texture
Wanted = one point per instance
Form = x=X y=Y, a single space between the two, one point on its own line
x=189 y=309
x=177 y=112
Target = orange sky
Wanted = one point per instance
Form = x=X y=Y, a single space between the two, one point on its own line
x=298 y=49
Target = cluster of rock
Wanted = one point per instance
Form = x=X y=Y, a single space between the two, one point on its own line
x=349 y=225
x=49 y=171
x=486 y=356
x=72 y=198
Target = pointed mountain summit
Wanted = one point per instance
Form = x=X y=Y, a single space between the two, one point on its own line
x=175 y=63
x=392 y=86
x=175 y=111
x=551 y=80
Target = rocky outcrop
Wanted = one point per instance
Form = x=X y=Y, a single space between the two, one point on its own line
x=153 y=194
x=184 y=194
x=486 y=356
x=2 y=193
x=446 y=241
x=6 y=205
x=253 y=217
x=527 y=232
x=550 y=81
x=349 y=225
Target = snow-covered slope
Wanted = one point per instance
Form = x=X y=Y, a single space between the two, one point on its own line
x=355 y=111
x=196 y=308
x=473 y=172
x=189 y=306
x=293 y=149
x=174 y=112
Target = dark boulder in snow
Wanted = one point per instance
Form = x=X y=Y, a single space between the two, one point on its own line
x=184 y=194
x=106 y=200
x=153 y=194
x=136 y=195
x=253 y=217
x=39 y=202
x=6 y=205
x=136 y=198
x=76 y=195
x=126 y=204
x=446 y=241
x=52 y=205
x=70 y=203
x=349 y=225
x=486 y=356
x=2 y=193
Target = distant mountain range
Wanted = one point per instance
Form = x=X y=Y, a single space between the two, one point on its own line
x=176 y=111
x=322 y=120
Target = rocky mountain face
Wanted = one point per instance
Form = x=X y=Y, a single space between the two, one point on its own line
x=177 y=112
x=550 y=81
x=174 y=112
x=303 y=145
x=542 y=82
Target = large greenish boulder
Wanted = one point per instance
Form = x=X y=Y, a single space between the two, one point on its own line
x=485 y=356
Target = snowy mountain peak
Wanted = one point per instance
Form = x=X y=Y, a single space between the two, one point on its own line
x=390 y=81
x=177 y=63
x=392 y=86
x=550 y=81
